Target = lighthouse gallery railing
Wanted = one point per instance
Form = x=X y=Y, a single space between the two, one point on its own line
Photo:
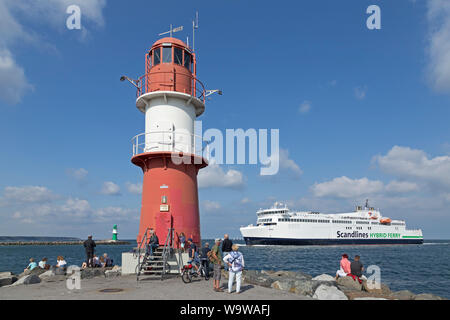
x=173 y=81
x=170 y=141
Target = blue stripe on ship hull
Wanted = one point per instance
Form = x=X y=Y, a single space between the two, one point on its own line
x=323 y=242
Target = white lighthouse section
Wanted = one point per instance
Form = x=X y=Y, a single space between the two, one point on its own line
x=169 y=123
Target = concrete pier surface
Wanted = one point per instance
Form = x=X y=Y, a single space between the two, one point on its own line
x=129 y=289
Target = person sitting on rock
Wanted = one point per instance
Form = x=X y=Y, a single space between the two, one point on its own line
x=357 y=268
x=344 y=267
x=31 y=265
x=108 y=261
x=43 y=264
x=95 y=261
x=60 y=262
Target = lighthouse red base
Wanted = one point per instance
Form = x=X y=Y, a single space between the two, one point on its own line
x=169 y=195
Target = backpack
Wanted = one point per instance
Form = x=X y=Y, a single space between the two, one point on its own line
x=236 y=262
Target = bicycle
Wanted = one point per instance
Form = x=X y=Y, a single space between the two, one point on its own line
x=188 y=272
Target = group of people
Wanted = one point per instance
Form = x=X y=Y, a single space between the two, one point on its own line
x=43 y=264
x=226 y=254
x=350 y=268
x=92 y=260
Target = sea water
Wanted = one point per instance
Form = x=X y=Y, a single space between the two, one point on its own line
x=418 y=268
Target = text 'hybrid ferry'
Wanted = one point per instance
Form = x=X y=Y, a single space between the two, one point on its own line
x=280 y=226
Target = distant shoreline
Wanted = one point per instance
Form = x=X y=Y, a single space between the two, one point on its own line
x=57 y=243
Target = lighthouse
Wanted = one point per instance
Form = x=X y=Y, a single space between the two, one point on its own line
x=169 y=153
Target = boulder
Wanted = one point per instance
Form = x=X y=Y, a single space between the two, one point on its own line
x=7 y=278
x=28 y=279
x=382 y=288
x=427 y=296
x=305 y=287
x=403 y=295
x=324 y=292
x=112 y=273
x=32 y=279
x=347 y=283
x=370 y=298
x=47 y=274
x=258 y=278
x=324 y=277
x=89 y=273
x=60 y=271
x=284 y=285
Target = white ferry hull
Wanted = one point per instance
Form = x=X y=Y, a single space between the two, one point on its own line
x=292 y=233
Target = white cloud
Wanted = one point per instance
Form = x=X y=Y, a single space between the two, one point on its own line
x=134 y=188
x=27 y=194
x=78 y=174
x=215 y=176
x=401 y=186
x=413 y=164
x=305 y=107
x=245 y=200
x=344 y=187
x=360 y=92
x=110 y=188
x=210 y=206
x=438 y=49
x=13 y=82
x=114 y=214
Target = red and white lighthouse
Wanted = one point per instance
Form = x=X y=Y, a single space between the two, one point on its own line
x=171 y=98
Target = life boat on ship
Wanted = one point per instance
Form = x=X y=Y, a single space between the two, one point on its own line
x=385 y=221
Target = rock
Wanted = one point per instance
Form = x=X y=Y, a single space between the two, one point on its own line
x=258 y=278
x=403 y=295
x=7 y=278
x=305 y=287
x=28 y=279
x=347 y=283
x=112 y=273
x=32 y=279
x=60 y=271
x=324 y=277
x=427 y=296
x=370 y=298
x=324 y=292
x=383 y=288
x=47 y=274
x=284 y=285
x=118 y=268
x=89 y=273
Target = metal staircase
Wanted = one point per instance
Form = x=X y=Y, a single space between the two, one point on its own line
x=157 y=265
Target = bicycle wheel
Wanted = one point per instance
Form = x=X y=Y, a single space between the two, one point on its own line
x=186 y=277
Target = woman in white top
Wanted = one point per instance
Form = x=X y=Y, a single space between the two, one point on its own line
x=61 y=263
x=235 y=261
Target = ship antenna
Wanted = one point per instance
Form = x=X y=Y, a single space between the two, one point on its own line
x=367 y=203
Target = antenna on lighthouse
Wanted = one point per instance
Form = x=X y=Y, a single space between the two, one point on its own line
x=194 y=26
x=172 y=30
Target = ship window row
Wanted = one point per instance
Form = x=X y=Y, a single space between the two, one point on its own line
x=303 y=220
x=341 y=221
x=265 y=220
x=397 y=224
x=170 y=54
x=362 y=222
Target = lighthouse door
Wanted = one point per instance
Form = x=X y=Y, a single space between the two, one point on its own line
x=163 y=224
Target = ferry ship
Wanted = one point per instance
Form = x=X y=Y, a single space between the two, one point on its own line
x=280 y=226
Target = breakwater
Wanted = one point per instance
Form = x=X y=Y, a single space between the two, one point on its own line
x=59 y=243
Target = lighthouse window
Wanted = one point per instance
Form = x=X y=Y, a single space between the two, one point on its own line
x=178 y=56
x=187 y=60
x=167 y=54
x=156 y=56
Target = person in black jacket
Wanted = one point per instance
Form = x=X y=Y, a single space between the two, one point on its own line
x=226 y=247
x=89 y=246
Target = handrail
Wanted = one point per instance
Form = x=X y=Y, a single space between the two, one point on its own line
x=196 y=86
x=144 y=240
x=165 y=253
x=172 y=141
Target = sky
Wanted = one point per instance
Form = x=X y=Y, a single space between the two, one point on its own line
x=362 y=114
